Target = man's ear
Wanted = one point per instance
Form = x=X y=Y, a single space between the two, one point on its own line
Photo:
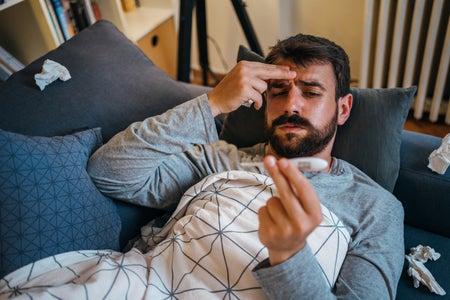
x=344 y=107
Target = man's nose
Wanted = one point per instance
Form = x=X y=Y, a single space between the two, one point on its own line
x=294 y=101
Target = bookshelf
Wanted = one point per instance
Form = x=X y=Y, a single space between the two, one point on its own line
x=27 y=32
x=9 y=3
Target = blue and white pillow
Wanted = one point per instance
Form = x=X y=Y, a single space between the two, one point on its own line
x=48 y=203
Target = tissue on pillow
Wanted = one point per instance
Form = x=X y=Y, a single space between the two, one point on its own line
x=370 y=139
x=48 y=203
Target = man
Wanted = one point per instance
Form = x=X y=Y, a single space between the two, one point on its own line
x=306 y=86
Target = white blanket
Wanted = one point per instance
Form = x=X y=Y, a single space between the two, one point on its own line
x=206 y=250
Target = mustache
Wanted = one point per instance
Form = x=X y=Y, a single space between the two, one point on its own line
x=292 y=119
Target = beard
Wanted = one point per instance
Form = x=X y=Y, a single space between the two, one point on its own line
x=292 y=145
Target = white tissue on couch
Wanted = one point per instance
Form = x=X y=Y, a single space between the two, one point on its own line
x=439 y=159
x=418 y=256
x=51 y=71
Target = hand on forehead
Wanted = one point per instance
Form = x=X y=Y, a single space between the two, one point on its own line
x=277 y=72
x=319 y=76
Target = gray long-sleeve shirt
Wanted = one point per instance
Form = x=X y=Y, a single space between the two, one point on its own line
x=153 y=162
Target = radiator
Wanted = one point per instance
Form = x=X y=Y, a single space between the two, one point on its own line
x=405 y=43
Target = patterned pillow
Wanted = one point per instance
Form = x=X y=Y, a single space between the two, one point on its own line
x=48 y=204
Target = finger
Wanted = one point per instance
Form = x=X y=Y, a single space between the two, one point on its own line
x=276 y=211
x=259 y=85
x=290 y=202
x=273 y=221
x=257 y=98
x=256 y=75
x=303 y=189
x=271 y=71
x=266 y=225
x=265 y=220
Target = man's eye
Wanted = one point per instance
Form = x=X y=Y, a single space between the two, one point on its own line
x=311 y=94
x=279 y=93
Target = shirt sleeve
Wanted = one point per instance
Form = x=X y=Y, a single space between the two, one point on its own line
x=151 y=163
x=296 y=278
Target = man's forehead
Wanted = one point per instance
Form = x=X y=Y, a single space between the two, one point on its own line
x=303 y=83
x=310 y=74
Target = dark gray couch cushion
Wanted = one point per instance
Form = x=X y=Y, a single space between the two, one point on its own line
x=439 y=268
x=99 y=60
x=417 y=182
x=370 y=139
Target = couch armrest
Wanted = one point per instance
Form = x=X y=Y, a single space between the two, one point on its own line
x=425 y=195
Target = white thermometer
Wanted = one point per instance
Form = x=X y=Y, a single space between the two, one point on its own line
x=305 y=164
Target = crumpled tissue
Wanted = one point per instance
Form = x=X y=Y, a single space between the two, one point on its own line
x=51 y=71
x=417 y=270
x=439 y=159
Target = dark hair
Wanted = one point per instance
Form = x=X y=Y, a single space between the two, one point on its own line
x=303 y=49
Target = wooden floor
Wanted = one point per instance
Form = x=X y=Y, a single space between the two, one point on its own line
x=439 y=128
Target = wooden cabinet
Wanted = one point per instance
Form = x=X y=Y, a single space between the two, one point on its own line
x=160 y=45
x=151 y=26
x=27 y=32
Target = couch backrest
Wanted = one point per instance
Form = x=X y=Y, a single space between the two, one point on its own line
x=113 y=84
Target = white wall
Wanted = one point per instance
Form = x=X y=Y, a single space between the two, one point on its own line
x=341 y=21
x=224 y=28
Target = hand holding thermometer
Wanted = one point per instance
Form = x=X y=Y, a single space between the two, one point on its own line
x=305 y=164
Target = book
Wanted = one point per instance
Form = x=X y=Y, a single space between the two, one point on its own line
x=90 y=12
x=54 y=21
x=70 y=14
x=96 y=10
x=64 y=19
x=79 y=12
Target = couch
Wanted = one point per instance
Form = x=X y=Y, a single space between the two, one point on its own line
x=49 y=205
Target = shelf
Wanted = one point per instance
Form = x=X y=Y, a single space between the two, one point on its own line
x=138 y=23
x=9 y=4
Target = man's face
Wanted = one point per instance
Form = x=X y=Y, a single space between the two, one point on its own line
x=301 y=114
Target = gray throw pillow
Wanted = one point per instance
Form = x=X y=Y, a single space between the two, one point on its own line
x=48 y=203
x=370 y=139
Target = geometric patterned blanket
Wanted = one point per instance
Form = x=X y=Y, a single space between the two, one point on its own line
x=206 y=250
